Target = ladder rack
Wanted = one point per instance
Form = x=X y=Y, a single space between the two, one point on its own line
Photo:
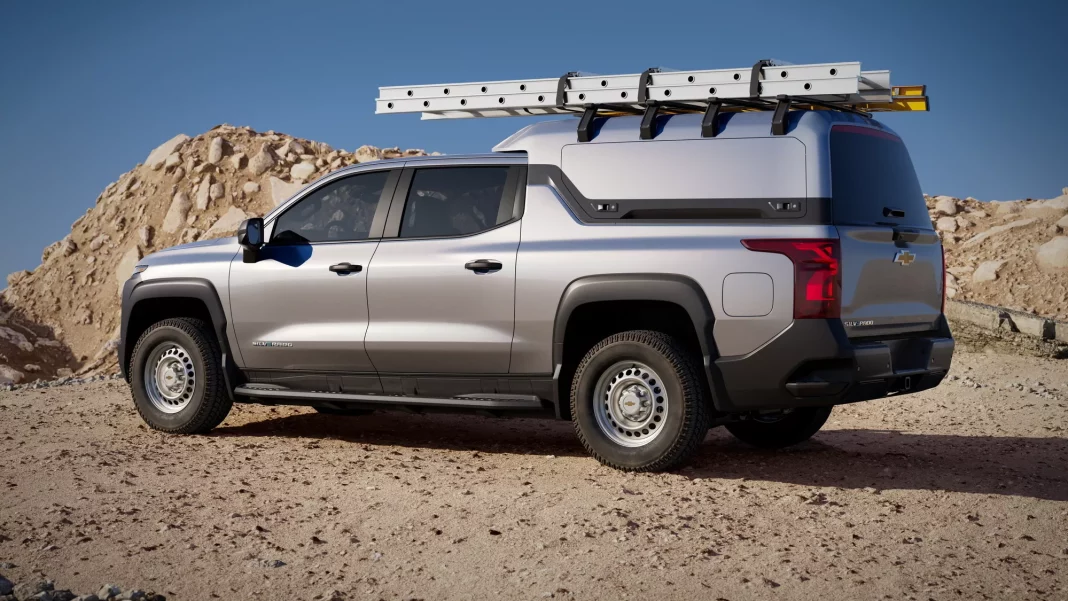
x=764 y=86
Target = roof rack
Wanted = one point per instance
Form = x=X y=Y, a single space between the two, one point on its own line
x=767 y=85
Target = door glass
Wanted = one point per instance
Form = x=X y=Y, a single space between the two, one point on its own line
x=339 y=211
x=454 y=201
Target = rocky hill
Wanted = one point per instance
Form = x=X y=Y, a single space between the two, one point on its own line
x=64 y=315
x=1009 y=254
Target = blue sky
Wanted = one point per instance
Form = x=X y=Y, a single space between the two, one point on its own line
x=87 y=89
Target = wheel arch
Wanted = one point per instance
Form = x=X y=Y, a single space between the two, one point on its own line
x=678 y=295
x=145 y=302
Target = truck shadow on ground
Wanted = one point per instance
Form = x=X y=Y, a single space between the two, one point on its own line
x=858 y=458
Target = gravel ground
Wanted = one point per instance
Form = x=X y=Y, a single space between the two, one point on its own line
x=957 y=493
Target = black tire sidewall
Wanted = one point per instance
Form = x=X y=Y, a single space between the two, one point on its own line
x=586 y=381
x=151 y=341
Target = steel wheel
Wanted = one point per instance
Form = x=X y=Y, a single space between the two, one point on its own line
x=630 y=404
x=169 y=378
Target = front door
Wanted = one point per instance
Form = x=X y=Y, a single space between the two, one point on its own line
x=303 y=305
x=441 y=292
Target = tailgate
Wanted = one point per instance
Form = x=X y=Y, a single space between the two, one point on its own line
x=891 y=262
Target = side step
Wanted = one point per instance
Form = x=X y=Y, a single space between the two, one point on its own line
x=485 y=402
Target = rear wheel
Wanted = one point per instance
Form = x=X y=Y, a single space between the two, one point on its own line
x=781 y=429
x=176 y=377
x=636 y=402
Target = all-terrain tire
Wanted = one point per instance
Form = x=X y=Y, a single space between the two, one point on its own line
x=208 y=402
x=687 y=412
x=794 y=427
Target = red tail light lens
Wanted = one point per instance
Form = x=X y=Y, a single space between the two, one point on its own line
x=817 y=274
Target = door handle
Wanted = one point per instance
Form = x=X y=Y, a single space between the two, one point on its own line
x=483 y=265
x=345 y=268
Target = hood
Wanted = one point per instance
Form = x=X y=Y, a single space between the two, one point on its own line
x=201 y=244
x=216 y=249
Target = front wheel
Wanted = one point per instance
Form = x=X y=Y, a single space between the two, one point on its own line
x=782 y=429
x=176 y=377
x=637 y=402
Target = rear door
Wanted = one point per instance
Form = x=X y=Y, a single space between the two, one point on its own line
x=441 y=286
x=891 y=255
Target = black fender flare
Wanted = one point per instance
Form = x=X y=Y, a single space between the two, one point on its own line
x=136 y=290
x=673 y=288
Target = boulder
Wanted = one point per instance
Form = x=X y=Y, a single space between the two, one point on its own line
x=367 y=153
x=172 y=160
x=302 y=171
x=218 y=189
x=157 y=157
x=204 y=192
x=238 y=161
x=282 y=191
x=215 y=150
x=10 y=375
x=987 y=271
x=227 y=224
x=16 y=338
x=1053 y=255
x=946 y=205
x=1008 y=207
x=946 y=224
x=290 y=147
x=177 y=213
x=145 y=235
x=99 y=241
x=261 y=161
x=251 y=187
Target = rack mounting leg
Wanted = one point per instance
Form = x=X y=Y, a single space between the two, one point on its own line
x=648 y=127
x=778 y=120
x=585 y=127
x=708 y=122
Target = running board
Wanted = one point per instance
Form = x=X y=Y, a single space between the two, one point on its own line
x=485 y=402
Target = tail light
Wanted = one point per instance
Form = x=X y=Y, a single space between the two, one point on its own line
x=943 y=278
x=817 y=274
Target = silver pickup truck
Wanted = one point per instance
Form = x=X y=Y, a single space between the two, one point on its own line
x=645 y=289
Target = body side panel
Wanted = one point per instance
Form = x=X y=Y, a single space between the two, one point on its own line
x=558 y=249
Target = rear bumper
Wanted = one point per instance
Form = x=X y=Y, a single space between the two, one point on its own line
x=813 y=363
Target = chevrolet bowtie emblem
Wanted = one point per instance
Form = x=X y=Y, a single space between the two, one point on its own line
x=904 y=258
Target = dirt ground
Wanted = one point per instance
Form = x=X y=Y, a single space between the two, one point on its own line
x=957 y=493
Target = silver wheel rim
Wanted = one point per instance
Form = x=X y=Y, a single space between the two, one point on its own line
x=630 y=404
x=170 y=379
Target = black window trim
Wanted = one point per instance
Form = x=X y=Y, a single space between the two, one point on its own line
x=515 y=192
x=377 y=222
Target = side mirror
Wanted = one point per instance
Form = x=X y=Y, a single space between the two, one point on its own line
x=250 y=237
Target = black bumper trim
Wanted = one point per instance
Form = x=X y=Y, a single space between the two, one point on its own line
x=814 y=363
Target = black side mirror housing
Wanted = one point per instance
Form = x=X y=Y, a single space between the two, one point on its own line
x=250 y=237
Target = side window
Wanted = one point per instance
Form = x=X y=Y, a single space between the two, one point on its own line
x=454 y=201
x=339 y=211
